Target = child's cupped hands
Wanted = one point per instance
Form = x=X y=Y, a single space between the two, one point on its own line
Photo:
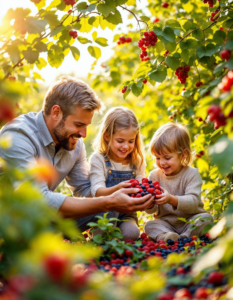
x=123 y=184
x=164 y=198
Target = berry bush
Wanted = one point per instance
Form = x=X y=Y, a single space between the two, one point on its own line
x=174 y=64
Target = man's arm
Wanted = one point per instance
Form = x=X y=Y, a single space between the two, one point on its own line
x=118 y=201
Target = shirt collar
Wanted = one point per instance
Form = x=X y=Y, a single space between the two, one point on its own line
x=45 y=134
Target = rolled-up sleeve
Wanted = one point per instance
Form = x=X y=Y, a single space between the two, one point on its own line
x=21 y=154
x=78 y=178
x=97 y=176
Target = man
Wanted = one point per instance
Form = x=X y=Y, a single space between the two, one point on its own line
x=56 y=133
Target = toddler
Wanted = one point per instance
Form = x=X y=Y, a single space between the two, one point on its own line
x=180 y=183
x=118 y=157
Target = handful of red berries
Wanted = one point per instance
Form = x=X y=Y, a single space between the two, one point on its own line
x=146 y=187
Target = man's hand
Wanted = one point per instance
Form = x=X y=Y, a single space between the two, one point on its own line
x=121 y=202
x=166 y=198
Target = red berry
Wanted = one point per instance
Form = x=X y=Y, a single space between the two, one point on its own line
x=216 y=277
x=165 y=5
x=225 y=54
x=221 y=28
x=200 y=119
x=156 y=20
x=183 y=294
x=129 y=253
x=180 y=270
x=170 y=117
x=69 y=11
x=55 y=266
x=124 y=89
x=166 y=296
x=144 y=81
x=201 y=293
x=143 y=235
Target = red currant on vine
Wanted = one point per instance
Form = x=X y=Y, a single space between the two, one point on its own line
x=225 y=54
x=165 y=5
x=73 y=33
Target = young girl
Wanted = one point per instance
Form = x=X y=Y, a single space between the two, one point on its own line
x=118 y=157
x=181 y=186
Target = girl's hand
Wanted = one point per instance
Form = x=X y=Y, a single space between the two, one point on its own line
x=123 y=185
x=166 y=198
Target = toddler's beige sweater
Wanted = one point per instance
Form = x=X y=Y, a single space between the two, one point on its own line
x=186 y=186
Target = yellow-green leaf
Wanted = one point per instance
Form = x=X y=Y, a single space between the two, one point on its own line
x=94 y=51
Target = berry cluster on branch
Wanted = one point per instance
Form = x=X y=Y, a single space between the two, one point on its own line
x=123 y=40
x=216 y=115
x=182 y=73
x=213 y=14
x=149 y=40
x=73 y=33
x=210 y=2
x=199 y=83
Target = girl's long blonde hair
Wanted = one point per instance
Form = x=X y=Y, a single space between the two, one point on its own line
x=119 y=118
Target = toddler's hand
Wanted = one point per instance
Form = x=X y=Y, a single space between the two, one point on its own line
x=123 y=185
x=163 y=198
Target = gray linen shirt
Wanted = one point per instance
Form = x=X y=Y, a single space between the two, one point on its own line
x=31 y=139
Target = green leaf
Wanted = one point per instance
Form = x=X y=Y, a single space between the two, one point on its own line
x=172 y=23
x=55 y=56
x=92 y=224
x=102 y=41
x=120 y=2
x=14 y=53
x=158 y=29
x=170 y=46
x=221 y=155
x=219 y=36
x=219 y=68
x=185 y=56
x=83 y=40
x=75 y=53
x=35 y=26
x=41 y=63
x=85 y=26
x=83 y=8
x=106 y=8
x=94 y=51
x=137 y=90
x=145 y=19
x=159 y=75
x=229 y=63
x=114 y=18
x=229 y=45
x=37 y=76
x=57 y=30
x=41 y=47
x=31 y=55
x=91 y=20
x=198 y=34
x=172 y=62
x=169 y=34
x=188 y=44
x=209 y=50
x=98 y=239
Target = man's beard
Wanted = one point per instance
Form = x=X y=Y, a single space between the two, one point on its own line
x=62 y=136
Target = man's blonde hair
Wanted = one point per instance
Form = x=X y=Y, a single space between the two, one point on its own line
x=172 y=137
x=116 y=119
x=69 y=92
